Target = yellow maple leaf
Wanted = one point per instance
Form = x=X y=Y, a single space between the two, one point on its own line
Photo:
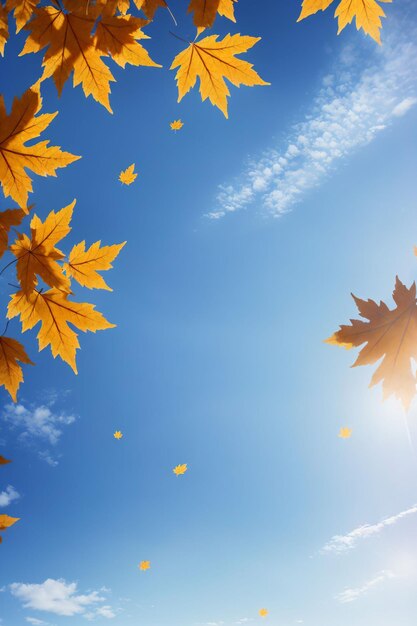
x=213 y=61
x=11 y=354
x=6 y=521
x=144 y=565
x=22 y=125
x=345 y=433
x=390 y=335
x=263 y=612
x=149 y=7
x=205 y=11
x=118 y=434
x=83 y=265
x=53 y=309
x=176 y=125
x=4 y=461
x=128 y=176
x=9 y=218
x=22 y=11
x=38 y=256
x=4 y=28
x=180 y=469
x=367 y=13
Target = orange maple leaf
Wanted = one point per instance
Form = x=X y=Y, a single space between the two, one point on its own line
x=6 y=521
x=9 y=218
x=128 y=176
x=83 y=265
x=176 y=125
x=22 y=125
x=11 y=353
x=263 y=612
x=205 y=11
x=179 y=470
x=144 y=565
x=390 y=335
x=118 y=434
x=345 y=433
x=22 y=11
x=4 y=461
x=4 y=28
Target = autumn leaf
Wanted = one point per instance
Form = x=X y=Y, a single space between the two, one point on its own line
x=38 y=256
x=22 y=125
x=390 y=335
x=345 y=433
x=55 y=312
x=128 y=176
x=367 y=13
x=213 y=61
x=144 y=565
x=176 y=125
x=118 y=434
x=9 y=218
x=83 y=265
x=263 y=612
x=180 y=469
x=4 y=461
x=4 y=28
x=22 y=11
x=205 y=11
x=11 y=354
x=6 y=521
x=149 y=7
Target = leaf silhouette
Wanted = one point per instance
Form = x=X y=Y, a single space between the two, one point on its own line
x=11 y=354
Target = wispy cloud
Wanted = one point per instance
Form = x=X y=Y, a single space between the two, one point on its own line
x=36 y=622
x=351 y=595
x=61 y=598
x=341 y=543
x=360 y=97
x=38 y=425
x=8 y=495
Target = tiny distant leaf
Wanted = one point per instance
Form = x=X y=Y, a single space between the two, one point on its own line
x=128 y=176
x=345 y=433
x=144 y=565
x=180 y=469
x=176 y=125
x=3 y=461
x=118 y=434
x=263 y=612
x=6 y=521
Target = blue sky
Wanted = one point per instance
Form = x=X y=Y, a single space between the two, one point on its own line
x=244 y=243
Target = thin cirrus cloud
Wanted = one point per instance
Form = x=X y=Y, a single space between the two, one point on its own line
x=364 y=94
x=351 y=595
x=342 y=543
x=8 y=495
x=61 y=598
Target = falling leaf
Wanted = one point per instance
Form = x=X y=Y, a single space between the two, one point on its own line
x=118 y=434
x=180 y=469
x=390 y=335
x=38 y=256
x=11 y=354
x=53 y=309
x=128 y=176
x=205 y=11
x=213 y=61
x=83 y=265
x=3 y=461
x=6 y=521
x=22 y=125
x=9 y=218
x=345 y=433
x=176 y=125
x=144 y=565
x=149 y=7
x=368 y=14
x=263 y=612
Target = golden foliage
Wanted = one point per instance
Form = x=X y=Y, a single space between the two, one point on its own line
x=118 y=434
x=390 y=335
x=179 y=470
x=144 y=565
x=22 y=125
x=128 y=176
x=213 y=61
x=9 y=218
x=176 y=125
x=11 y=354
x=83 y=265
x=5 y=522
x=345 y=433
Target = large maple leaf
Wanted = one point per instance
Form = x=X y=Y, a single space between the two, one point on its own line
x=9 y=218
x=390 y=335
x=55 y=312
x=11 y=353
x=16 y=129
x=213 y=61
x=73 y=47
x=38 y=255
x=367 y=13
x=83 y=265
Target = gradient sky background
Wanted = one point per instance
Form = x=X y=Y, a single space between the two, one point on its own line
x=218 y=358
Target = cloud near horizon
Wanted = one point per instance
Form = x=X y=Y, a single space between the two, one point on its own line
x=354 y=104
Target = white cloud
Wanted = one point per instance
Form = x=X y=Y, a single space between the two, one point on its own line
x=7 y=496
x=360 y=98
x=36 y=622
x=38 y=424
x=59 y=597
x=102 y=611
x=350 y=595
x=342 y=543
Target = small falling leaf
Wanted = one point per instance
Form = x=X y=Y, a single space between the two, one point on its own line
x=176 y=125
x=3 y=461
x=180 y=469
x=6 y=521
x=118 y=434
x=128 y=176
x=345 y=433
x=144 y=565
x=263 y=612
